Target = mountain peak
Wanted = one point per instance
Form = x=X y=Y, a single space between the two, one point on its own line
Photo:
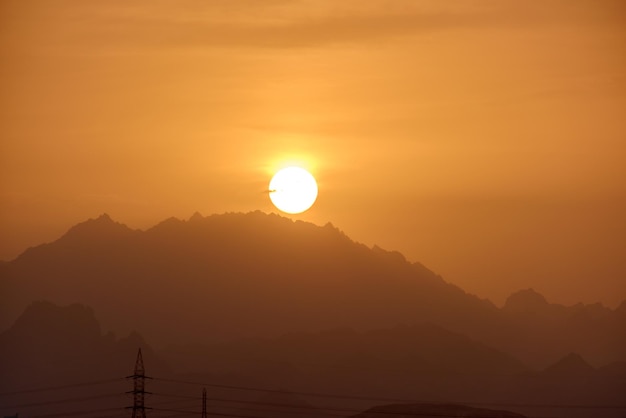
x=197 y=216
x=104 y=218
x=526 y=300
x=571 y=365
x=42 y=321
x=101 y=227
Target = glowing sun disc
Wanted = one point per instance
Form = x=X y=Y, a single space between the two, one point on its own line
x=293 y=190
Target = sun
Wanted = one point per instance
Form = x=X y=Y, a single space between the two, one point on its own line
x=293 y=190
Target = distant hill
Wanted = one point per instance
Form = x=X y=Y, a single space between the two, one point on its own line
x=544 y=331
x=398 y=353
x=570 y=365
x=234 y=275
x=52 y=344
x=296 y=374
x=615 y=369
x=56 y=360
x=285 y=405
x=531 y=304
x=385 y=361
x=433 y=411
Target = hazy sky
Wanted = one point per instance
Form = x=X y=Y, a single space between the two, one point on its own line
x=485 y=139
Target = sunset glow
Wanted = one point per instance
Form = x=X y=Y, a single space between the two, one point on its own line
x=429 y=125
x=356 y=208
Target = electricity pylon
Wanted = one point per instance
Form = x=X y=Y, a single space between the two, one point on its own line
x=204 y=415
x=139 y=392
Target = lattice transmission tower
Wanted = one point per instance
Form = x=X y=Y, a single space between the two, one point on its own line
x=204 y=414
x=139 y=388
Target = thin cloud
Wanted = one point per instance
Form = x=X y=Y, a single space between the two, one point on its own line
x=297 y=34
x=282 y=25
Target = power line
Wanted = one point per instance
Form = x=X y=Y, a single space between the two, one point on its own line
x=219 y=414
x=167 y=395
x=382 y=399
x=84 y=398
x=215 y=414
x=118 y=415
x=425 y=414
x=320 y=411
x=211 y=413
x=44 y=389
x=63 y=414
x=323 y=410
x=176 y=410
x=178 y=401
x=177 y=415
x=313 y=410
x=309 y=407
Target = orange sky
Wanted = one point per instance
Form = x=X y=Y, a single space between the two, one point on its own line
x=485 y=139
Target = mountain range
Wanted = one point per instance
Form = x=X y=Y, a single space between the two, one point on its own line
x=59 y=346
x=222 y=277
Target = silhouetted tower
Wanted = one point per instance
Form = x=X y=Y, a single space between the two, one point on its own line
x=139 y=381
x=204 y=403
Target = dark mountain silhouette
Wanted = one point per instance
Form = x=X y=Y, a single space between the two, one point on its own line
x=233 y=275
x=546 y=330
x=61 y=348
x=433 y=411
x=570 y=365
x=421 y=362
x=617 y=369
x=52 y=344
x=240 y=275
x=526 y=302
x=393 y=354
x=532 y=304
